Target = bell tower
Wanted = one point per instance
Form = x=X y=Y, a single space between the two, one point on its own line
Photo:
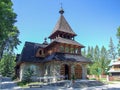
x=62 y=28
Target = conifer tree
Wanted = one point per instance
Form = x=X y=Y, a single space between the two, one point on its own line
x=104 y=61
x=96 y=53
x=84 y=52
x=112 y=53
x=118 y=36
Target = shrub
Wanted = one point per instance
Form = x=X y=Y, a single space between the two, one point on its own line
x=27 y=75
x=73 y=77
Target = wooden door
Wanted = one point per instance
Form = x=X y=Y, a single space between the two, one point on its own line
x=65 y=71
x=78 y=72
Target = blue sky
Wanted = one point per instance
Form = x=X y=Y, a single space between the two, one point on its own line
x=94 y=21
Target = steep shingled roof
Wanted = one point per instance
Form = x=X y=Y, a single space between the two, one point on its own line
x=67 y=57
x=29 y=55
x=63 y=26
x=29 y=52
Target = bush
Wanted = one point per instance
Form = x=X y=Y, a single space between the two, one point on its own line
x=73 y=77
x=27 y=75
x=21 y=83
x=92 y=78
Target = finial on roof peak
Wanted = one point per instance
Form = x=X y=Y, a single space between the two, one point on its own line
x=61 y=10
x=45 y=38
x=45 y=41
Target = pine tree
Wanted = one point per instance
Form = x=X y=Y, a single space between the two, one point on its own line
x=104 y=61
x=84 y=52
x=118 y=36
x=96 y=54
x=112 y=53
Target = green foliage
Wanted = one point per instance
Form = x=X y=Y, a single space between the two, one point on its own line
x=84 y=52
x=8 y=31
x=94 y=69
x=7 y=64
x=118 y=36
x=112 y=52
x=22 y=84
x=73 y=77
x=104 y=61
x=99 y=58
x=27 y=75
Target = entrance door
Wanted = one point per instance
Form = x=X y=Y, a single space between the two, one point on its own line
x=78 y=71
x=65 y=71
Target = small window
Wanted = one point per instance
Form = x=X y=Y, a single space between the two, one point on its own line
x=40 y=52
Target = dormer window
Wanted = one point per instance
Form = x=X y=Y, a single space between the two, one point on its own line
x=40 y=52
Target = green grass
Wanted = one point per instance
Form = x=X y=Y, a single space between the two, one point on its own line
x=92 y=79
x=25 y=85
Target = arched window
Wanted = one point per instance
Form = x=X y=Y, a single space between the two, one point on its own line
x=40 y=52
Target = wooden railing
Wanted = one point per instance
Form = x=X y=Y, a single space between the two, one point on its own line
x=107 y=77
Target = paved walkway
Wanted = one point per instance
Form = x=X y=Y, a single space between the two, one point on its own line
x=115 y=86
x=105 y=87
x=7 y=84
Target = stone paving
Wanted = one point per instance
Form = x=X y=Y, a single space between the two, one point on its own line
x=7 y=84
x=80 y=85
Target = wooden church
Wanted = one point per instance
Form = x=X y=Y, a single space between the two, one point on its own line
x=61 y=57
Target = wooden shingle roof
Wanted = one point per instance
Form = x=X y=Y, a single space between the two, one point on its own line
x=67 y=57
x=29 y=55
x=29 y=52
x=63 y=26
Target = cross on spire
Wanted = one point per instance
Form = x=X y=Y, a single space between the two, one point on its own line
x=61 y=4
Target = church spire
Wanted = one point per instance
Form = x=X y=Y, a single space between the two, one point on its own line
x=62 y=27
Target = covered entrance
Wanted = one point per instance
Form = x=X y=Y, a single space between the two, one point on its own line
x=65 y=71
